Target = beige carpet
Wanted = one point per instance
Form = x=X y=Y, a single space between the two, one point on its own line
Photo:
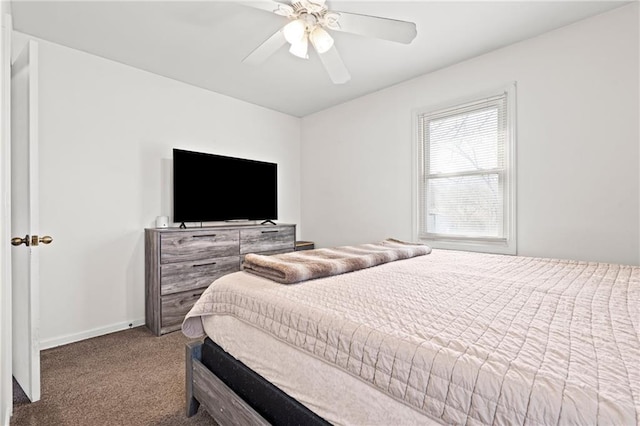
x=125 y=378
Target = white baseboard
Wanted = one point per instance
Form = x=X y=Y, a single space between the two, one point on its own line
x=70 y=338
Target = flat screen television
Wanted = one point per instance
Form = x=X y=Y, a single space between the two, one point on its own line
x=208 y=188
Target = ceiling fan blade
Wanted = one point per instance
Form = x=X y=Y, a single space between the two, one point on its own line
x=335 y=67
x=372 y=26
x=266 y=49
x=278 y=8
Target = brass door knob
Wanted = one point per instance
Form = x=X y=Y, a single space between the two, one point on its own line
x=34 y=240
x=46 y=239
x=16 y=241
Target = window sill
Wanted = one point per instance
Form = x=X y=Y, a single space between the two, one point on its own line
x=476 y=246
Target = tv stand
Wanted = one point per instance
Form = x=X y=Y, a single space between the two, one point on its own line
x=183 y=226
x=268 y=221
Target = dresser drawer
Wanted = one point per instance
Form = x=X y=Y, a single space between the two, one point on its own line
x=184 y=276
x=269 y=239
x=176 y=306
x=198 y=245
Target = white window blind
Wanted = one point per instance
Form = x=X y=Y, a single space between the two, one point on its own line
x=464 y=177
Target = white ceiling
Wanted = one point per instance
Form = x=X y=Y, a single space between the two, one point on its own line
x=203 y=43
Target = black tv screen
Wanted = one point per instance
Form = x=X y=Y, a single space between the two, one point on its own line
x=208 y=187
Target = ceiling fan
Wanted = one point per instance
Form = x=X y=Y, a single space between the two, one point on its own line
x=309 y=21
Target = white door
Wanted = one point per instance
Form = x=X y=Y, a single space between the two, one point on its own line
x=24 y=221
x=6 y=403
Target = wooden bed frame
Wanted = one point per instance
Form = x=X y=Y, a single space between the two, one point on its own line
x=204 y=388
x=234 y=394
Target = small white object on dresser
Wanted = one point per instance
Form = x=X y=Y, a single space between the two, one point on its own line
x=162 y=222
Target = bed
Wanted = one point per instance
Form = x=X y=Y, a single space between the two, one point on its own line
x=443 y=338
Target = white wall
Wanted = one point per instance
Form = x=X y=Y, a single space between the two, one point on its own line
x=577 y=147
x=106 y=135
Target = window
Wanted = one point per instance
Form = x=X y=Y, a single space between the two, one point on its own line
x=466 y=179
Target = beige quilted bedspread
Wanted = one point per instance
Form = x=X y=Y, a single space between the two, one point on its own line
x=464 y=338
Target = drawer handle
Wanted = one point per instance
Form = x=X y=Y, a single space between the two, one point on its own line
x=197 y=265
x=204 y=236
x=269 y=232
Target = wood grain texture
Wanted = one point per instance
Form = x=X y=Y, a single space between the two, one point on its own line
x=184 y=276
x=152 y=281
x=304 y=245
x=198 y=245
x=170 y=328
x=175 y=306
x=193 y=351
x=222 y=403
x=268 y=238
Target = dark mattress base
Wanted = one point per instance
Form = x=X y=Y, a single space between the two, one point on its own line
x=270 y=402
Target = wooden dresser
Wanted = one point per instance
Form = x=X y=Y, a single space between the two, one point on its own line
x=181 y=263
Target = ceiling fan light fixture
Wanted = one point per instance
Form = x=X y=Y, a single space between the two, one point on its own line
x=300 y=49
x=321 y=40
x=295 y=31
x=309 y=20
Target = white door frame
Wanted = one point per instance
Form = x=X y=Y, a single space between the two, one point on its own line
x=6 y=388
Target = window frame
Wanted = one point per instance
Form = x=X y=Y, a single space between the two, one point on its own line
x=500 y=245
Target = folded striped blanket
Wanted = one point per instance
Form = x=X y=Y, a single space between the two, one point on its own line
x=311 y=264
